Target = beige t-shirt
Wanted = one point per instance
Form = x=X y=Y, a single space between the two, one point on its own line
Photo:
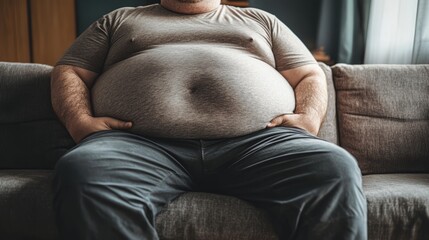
x=209 y=75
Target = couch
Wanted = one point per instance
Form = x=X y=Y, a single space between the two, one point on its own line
x=379 y=113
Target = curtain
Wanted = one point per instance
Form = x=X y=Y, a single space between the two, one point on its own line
x=342 y=29
x=358 y=31
x=398 y=32
x=421 y=41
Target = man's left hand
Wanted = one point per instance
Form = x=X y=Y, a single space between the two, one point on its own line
x=299 y=120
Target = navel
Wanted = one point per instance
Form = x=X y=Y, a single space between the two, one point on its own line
x=192 y=90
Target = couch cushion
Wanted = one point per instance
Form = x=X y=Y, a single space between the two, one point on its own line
x=30 y=134
x=328 y=130
x=398 y=206
x=26 y=212
x=383 y=113
x=214 y=217
x=26 y=205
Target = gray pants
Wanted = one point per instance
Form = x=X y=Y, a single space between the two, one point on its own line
x=112 y=185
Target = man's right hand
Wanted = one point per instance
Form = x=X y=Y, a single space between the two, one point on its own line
x=87 y=125
x=70 y=94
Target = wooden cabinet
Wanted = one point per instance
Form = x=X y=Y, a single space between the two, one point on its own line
x=36 y=30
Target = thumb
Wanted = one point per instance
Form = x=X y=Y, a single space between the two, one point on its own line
x=117 y=124
x=275 y=122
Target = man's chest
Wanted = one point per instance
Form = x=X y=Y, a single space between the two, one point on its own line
x=134 y=36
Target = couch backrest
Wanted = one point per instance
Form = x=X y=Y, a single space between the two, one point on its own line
x=32 y=137
x=30 y=134
x=383 y=115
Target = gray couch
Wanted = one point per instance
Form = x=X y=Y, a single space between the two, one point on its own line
x=380 y=113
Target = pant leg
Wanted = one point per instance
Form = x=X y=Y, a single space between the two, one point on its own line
x=311 y=188
x=112 y=185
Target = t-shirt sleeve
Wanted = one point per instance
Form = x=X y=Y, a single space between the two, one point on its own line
x=90 y=49
x=288 y=49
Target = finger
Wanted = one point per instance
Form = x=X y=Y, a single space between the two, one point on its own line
x=275 y=122
x=117 y=124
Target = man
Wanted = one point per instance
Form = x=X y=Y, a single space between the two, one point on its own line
x=191 y=95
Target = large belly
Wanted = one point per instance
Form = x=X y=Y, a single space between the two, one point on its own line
x=193 y=91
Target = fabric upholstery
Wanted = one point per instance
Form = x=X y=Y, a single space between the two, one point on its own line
x=398 y=206
x=372 y=100
x=27 y=213
x=30 y=134
x=383 y=114
x=328 y=130
x=26 y=210
x=215 y=217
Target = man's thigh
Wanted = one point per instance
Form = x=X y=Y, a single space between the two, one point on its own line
x=272 y=162
x=310 y=187
x=117 y=161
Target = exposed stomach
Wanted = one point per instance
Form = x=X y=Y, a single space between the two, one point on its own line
x=193 y=91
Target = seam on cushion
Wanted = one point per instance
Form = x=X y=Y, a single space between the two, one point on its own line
x=381 y=117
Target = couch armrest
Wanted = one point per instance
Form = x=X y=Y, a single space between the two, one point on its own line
x=329 y=130
x=30 y=134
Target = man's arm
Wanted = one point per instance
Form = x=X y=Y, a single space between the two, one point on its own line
x=70 y=87
x=310 y=88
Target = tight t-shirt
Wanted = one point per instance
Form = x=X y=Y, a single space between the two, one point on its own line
x=209 y=75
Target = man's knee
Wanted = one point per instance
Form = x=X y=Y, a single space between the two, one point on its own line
x=76 y=166
x=336 y=164
x=342 y=181
x=344 y=165
x=338 y=180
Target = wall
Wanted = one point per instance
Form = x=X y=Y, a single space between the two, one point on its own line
x=300 y=16
x=89 y=11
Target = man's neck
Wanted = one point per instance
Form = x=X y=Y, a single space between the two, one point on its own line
x=190 y=6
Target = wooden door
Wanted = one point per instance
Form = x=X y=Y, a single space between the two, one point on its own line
x=36 y=31
x=53 y=27
x=14 y=31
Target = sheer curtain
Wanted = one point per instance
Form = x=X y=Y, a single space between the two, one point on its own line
x=360 y=31
x=398 y=32
x=421 y=41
